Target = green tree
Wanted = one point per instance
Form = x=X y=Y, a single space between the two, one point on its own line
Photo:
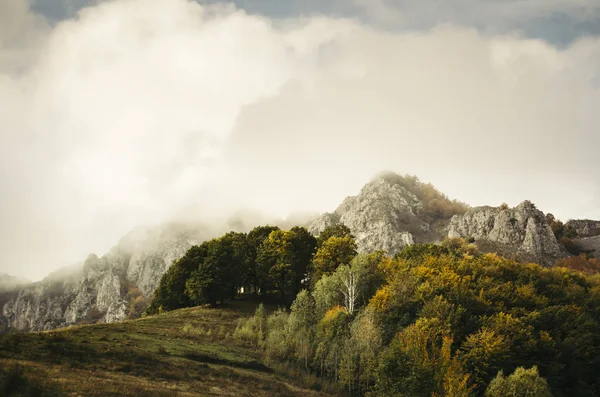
x=255 y=278
x=521 y=383
x=335 y=251
x=304 y=246
x=220 y=272
x=327 y=294
x=276 y=258
x=301 y=322
x=339 y=230
x=171 y=291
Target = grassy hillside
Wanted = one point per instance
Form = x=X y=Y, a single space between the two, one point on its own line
x=188 y=352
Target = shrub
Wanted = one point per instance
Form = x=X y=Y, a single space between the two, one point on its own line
x=522 y=383
x=252 y=330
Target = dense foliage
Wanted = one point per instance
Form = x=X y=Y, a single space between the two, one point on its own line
x=442 y=321
x=435 y=320
x=266 y=259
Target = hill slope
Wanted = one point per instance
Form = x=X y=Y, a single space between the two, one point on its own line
x=187 y=352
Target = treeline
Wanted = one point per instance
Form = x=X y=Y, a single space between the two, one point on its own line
x=265 y=260
x=441 y=321
x=435 y=320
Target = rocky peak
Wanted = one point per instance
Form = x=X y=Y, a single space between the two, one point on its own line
x=522 y=231
x=386 y=215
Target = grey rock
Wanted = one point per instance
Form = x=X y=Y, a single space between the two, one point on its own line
x=589 y=245
x=99 y=286
x=523 y=230
x=584 y=227
x=383 y=216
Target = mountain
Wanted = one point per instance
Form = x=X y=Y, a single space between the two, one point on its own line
x=101 y=289
x=8 y=282
x=117 y=285
x=389 y=212
x=521 y=232
x=392 y=211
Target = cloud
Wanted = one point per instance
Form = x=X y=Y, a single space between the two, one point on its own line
x=140 y=111
x=560 y=22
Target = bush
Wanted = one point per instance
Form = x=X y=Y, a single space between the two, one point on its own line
x=580 y=263
x=522 y=383
x=14 y=383
x=253 y=329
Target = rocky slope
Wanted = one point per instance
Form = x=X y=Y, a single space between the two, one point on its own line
x=521 y=232
x=386 y=215
x=585 y=235
x=390 y=212
x=98 y=289
x=582 y=228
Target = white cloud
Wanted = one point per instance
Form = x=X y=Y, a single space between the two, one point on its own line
x=140 y=110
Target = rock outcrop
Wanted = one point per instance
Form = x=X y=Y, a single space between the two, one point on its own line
x=588 y=245
x=98 y=289
x=383 y=216
x=521 y=232
x=391 y=212
x=581 y=228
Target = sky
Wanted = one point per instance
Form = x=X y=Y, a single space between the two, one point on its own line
x=116 y=114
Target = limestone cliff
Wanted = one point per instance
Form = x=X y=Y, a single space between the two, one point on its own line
x=581 y=228
x=521 y=232
x=98 y=289
x=393 y=211
x=386 y=215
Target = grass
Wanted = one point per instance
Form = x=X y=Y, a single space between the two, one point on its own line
x=187 y=352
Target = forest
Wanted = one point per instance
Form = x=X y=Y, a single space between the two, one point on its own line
x=434 y=320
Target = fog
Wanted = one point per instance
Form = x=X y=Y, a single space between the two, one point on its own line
x=137 y=112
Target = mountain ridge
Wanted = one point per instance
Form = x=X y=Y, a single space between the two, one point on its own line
x=389 y=213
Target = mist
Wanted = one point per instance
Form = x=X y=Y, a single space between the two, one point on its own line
x=135 y=112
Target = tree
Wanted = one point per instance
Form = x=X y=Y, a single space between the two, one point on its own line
x=483 y=353
x=372 y=276
x=419 y=362
x=335 y=251
x=521 y=383
x=255 y=277
x=301 y=323
x=276 y=258
x=339 y=230
x=327 y=294
x=220 y=271
x=304 y=245
x=171 y=291
x=361 y=351
x=350 y=282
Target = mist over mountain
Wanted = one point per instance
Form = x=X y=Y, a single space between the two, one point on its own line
x=8 y=282
x=389 y=213
x=122 y=113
